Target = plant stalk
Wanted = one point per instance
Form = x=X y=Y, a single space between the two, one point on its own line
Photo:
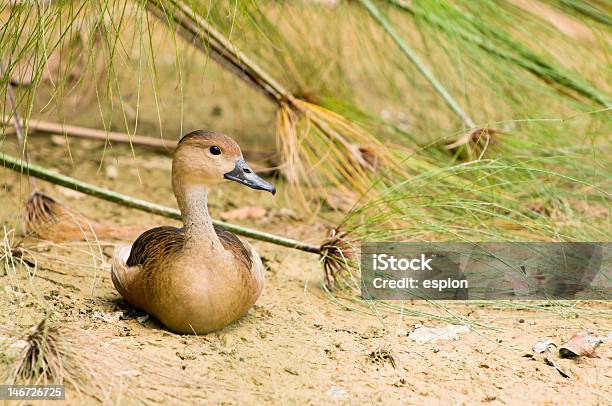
x=197 y=31
x=522 y=56
x=162 y=145
x=39 y=172
x=48 y=127
x=588 y=10
x=386 y=25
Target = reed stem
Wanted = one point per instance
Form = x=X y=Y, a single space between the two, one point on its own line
x=48 y=127
x=39 y=172
x=386 y=25
x=159 y=144
x=520 y=54
x=197 y=31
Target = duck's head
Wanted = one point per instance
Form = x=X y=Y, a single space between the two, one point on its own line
x=210 y=158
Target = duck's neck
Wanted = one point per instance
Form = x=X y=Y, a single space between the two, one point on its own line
x=199 y=230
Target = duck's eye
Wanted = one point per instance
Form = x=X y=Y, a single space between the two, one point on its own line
x=215 y=150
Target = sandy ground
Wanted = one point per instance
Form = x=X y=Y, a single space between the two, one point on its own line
x=298 y=345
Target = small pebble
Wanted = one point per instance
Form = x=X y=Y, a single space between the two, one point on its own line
x=111 y=172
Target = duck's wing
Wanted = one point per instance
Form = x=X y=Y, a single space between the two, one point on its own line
x=246 y=255
x=154 y=245
x=161 y=242
x=233 y=244
x=132 y=265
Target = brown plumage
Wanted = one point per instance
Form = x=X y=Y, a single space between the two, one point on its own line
x=198 y=278
x=163 y=242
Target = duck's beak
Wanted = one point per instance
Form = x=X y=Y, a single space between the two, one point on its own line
x=242 y=173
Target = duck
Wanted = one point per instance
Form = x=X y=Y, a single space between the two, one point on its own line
x=198 y=278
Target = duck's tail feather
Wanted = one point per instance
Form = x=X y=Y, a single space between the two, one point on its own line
x=121 y=274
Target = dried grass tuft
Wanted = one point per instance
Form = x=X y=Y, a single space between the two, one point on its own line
x=48 y=219
x=41 y=361
x=99 y=368
x=326 y=154
x=475 y=142
x=339 y=255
